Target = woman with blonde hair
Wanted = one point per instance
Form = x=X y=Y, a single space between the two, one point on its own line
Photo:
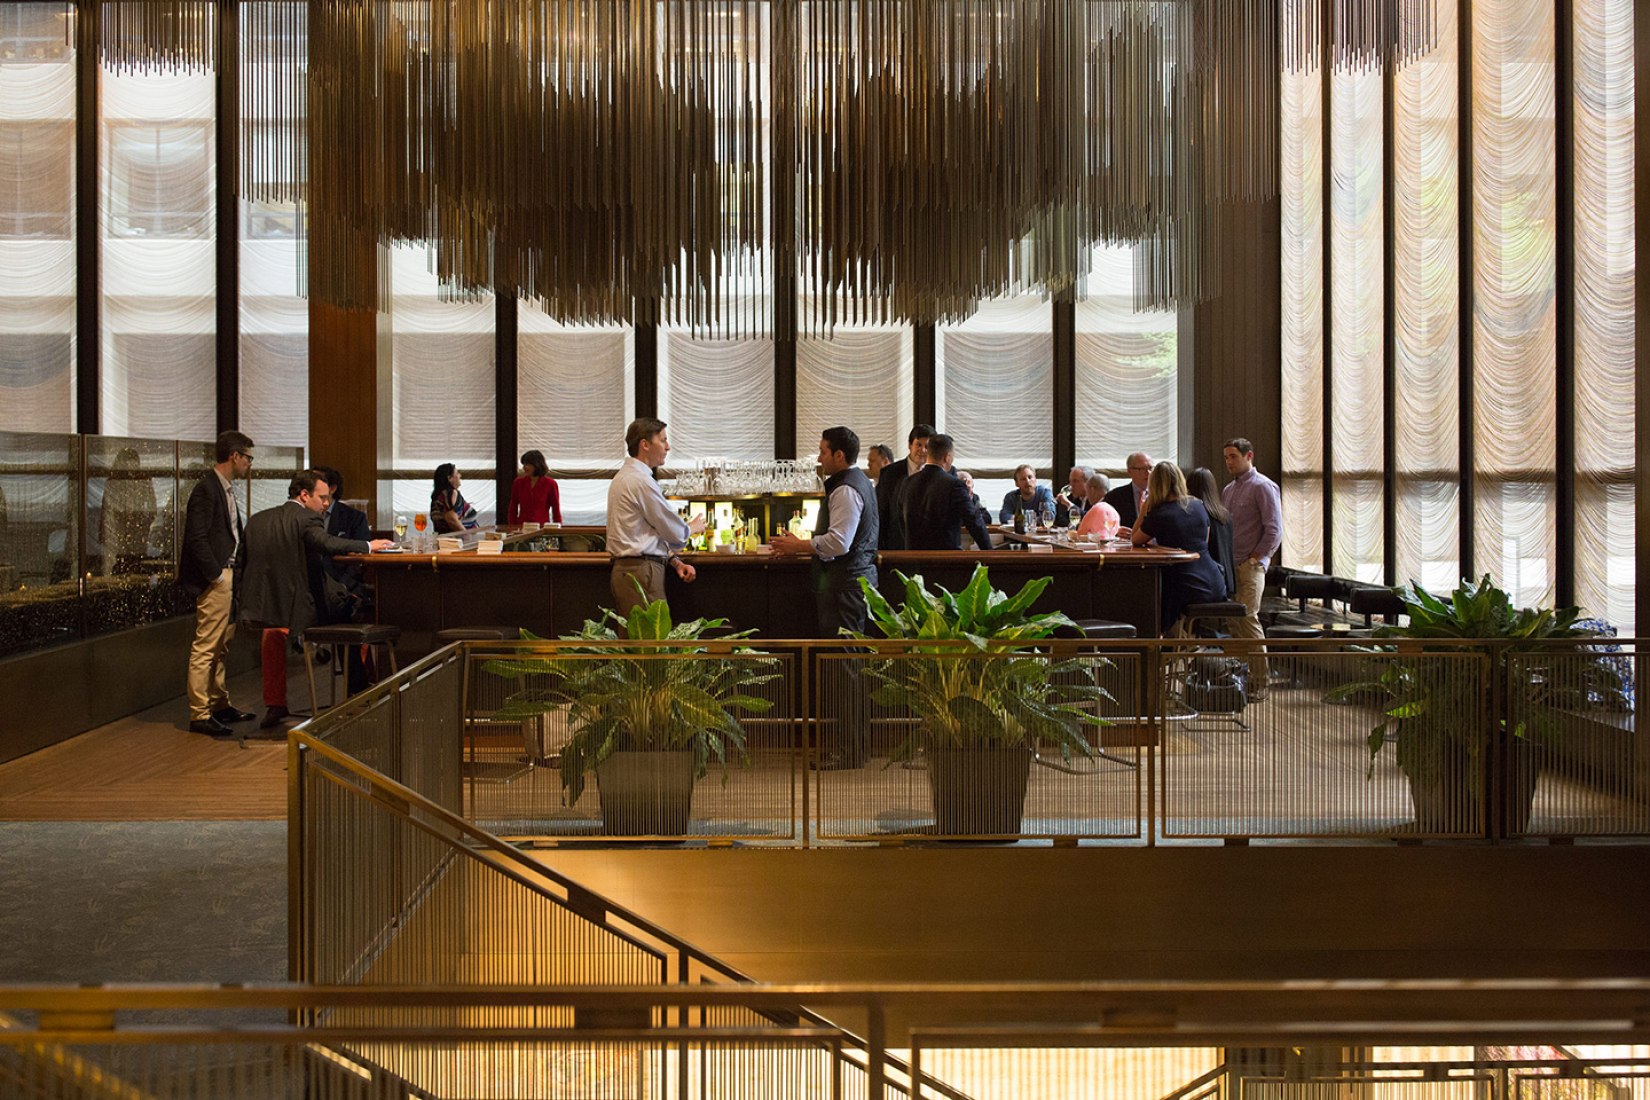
x=1174 y=518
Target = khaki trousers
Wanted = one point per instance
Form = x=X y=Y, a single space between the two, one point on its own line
x=651 y=575
x=207 y=688
x=1251 y=584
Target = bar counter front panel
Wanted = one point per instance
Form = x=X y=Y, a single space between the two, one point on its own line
x=554 y=593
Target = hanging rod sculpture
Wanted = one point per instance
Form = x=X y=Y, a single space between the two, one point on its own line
x=610 y=160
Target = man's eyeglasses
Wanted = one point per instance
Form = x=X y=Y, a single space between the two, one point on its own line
x=245 y=454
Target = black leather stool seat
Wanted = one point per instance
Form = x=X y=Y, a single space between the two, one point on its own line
x=1096 y=629
x=1294 y=630
x=352 y=634
x=477 y=634
x=1375 y=601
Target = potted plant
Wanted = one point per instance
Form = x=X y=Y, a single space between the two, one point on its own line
x=1431 y=712
x=978 y=713
x=648 y=722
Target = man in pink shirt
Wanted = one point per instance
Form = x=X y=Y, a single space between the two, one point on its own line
x=1257 y=531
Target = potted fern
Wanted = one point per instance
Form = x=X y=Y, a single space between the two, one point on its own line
x=647 y=723
x=1433 y=716
x=978 y=713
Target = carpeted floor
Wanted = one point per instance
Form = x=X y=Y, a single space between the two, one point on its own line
x=95 y=902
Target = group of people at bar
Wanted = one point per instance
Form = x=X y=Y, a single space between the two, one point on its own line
x=922 y=503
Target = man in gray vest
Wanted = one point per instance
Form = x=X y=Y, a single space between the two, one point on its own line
x=844 y=549
x=844 y=546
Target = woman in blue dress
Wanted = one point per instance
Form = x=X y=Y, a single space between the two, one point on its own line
x=1176 y=519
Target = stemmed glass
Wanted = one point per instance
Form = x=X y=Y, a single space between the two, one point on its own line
x=400 y=529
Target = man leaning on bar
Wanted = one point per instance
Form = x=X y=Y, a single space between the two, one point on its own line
x=643 y=530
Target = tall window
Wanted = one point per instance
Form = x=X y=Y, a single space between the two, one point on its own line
x=861 y=377
x=994 y=377
x=159 y=354
x=1301 y=130
x=1605 y=261
x=1125 y=370
x=37 y=269
x=442 y=404
x=1514 y=413
x=1426 y=257
x=1357 y=378
x=274 y=335
x=574 y=395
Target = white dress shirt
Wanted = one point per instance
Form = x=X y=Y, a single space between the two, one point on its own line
x=640 y=521
x=846 y=507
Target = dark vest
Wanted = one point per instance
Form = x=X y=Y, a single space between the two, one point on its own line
x=861 y=555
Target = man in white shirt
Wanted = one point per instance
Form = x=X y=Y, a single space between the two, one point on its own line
x=643 y=530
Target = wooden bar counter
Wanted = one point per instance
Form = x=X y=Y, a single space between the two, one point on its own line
x=553 y=593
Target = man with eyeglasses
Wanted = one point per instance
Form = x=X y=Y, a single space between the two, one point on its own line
x=1129 y=499
x=212 y=530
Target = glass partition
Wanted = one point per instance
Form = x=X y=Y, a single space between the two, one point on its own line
x=91 y=528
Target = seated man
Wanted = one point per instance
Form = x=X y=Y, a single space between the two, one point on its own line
x=1075 y=500
x=1127 y=499
x=937 y=504
x=1027 y=496
x=974 y=499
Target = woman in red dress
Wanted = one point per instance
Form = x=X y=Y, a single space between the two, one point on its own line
x=534 y=497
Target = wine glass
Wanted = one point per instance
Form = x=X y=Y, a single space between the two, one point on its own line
x=400 y=528
x=1046 y=518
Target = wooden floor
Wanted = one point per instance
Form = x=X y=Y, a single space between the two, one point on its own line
x=149 y=767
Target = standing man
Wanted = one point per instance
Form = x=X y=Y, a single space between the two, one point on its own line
x=938 y=505
x=844 y=549
x=1130 y=499
x=212 y=528
x=890 y=489
x=876 y=458
x=844 y=545
x=277 y=587
x=643 y=530
x=1257 y=532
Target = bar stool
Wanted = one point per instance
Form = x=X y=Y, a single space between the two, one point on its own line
x=1301 y=587
x=476 y=634
x=1216 y=611
x=380 y=636
x=1376 y=600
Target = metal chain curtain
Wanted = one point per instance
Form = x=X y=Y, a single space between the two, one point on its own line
x=604 y=157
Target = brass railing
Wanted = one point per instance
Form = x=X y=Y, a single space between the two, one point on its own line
x=1415 y=1040
x=1523 y=744
x=389 y=888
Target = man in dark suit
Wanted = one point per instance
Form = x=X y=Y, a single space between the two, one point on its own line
x=341 y=591
x=1128 y=498
x=274 y=571
x=890 y=489
x=212 y=527
x=938 y=505
x=336 y=581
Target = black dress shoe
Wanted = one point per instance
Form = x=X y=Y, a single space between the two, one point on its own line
x=227 y=715
x=273 y=717
x=211 y=727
